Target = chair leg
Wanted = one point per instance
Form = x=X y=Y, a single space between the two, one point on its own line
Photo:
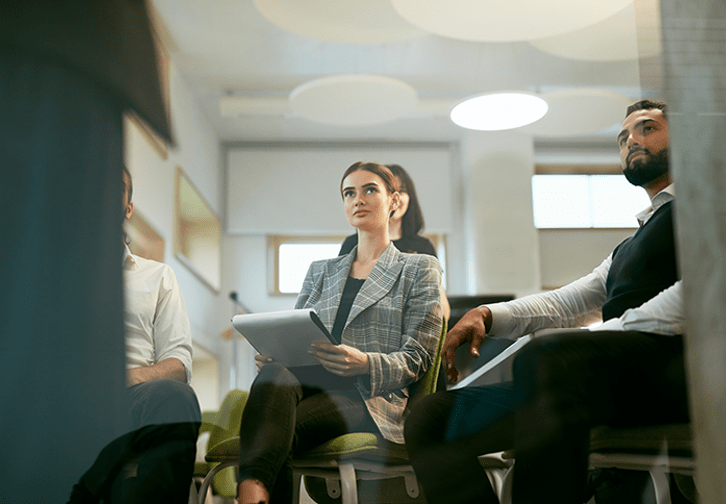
x=348 y=485
x=411 y=484
x=208 y=478
x=193 y=497
x=496 y=479
x=661 y=487
x=296 y=482
x=505 y=497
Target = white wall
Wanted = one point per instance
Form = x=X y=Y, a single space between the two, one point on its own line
x=568 y=254
x=286 y=188
x=197 y=152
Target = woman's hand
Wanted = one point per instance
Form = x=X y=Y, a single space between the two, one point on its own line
x=342 y=360
x=261 y=360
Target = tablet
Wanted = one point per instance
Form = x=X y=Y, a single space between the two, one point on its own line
x=284 y=335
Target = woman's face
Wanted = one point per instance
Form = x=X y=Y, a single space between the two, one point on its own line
x=367 y=202
x=404 y=200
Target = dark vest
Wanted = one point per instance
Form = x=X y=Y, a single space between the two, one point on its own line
x=643 y=265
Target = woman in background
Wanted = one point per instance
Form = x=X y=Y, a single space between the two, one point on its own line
x=406 y=222
x=384 y=309
x=404 y=225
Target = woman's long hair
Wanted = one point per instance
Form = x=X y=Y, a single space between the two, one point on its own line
x=412 y=221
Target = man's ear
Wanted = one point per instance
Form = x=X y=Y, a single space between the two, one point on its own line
x=129 y=210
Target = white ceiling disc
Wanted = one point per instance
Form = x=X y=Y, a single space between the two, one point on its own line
x=353 y=100
x=348 y=21
x=504 y=20
x=618 y=37
x=579 y=111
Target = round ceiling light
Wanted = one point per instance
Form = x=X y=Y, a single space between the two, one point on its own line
x=504 y=20
x=353 y=100
x=348 y=21
x=499 y=111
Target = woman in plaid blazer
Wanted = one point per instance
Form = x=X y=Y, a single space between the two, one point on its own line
x=384 y=308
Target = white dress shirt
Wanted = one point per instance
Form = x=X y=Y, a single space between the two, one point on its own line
x=580 y=302
x=156 y=320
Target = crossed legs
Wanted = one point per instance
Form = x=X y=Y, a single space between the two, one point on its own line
x=563 y=385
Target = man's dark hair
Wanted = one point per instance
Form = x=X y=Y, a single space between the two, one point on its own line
x=646 y=105
x=127 y=176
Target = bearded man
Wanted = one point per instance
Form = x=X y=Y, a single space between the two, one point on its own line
x=627 y=372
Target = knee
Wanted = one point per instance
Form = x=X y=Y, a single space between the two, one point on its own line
x=169 y=401
x=276 y=374
x=541 y=358
x=423 y=423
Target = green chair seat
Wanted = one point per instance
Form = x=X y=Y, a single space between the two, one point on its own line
x=345 y=459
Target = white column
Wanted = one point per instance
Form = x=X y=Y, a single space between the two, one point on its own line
x=503 y=246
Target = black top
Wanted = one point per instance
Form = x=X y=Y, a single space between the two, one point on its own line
x=643 y=265
x=410 y=244
x=350 y=291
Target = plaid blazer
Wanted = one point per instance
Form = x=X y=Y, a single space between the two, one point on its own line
x=395 y=318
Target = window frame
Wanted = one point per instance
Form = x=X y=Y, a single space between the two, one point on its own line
x=577 y=169
x=273 y=249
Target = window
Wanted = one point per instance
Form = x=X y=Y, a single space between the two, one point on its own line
x=292 y=258
x=585 y=201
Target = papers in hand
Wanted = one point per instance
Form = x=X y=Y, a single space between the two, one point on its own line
x=284 y=335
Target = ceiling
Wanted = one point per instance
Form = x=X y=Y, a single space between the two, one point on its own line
x=229 y=52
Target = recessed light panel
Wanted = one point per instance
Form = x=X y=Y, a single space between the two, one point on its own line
x=499 y=111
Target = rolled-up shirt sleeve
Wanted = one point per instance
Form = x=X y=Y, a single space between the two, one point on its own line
x=577 y=304
x=662 y=314
x=172 y=332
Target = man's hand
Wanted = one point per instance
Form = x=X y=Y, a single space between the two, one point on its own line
x=472 y=327
x=342 y=360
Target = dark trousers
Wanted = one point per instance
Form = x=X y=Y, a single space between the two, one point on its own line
x=62 y=359
x=564 y=384
x=283 y=417
x=165 y=418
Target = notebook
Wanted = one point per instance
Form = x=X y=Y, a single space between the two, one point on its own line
x=284 y=335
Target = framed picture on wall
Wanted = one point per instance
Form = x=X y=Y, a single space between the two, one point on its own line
x=197 y=233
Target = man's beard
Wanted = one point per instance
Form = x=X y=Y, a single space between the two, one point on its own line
x=647 y=169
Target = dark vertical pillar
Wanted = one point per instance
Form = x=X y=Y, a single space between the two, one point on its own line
x=694 y=41
x=62 y=362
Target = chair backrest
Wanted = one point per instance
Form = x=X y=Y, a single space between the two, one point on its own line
x=226 y=426
x=427 y=384
x=228 y=417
